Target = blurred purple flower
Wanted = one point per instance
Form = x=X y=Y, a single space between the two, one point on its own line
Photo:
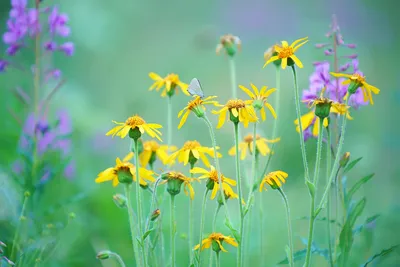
x=68 y=48
x=50 y=46
x=3 y=65
x=58 y=23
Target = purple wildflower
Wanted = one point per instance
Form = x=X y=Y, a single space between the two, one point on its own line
x=58 y=23
x=3 y=65
x=68 y=48
x=50 y=46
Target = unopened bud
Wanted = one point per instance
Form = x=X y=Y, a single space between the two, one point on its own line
x=155 y=214
x=323 y=108
x=103 y=255
x=344 y=160
x=119 y=200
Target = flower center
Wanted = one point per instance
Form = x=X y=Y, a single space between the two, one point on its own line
x=356 y=77
x=235 y=103
x=249 y=138
x=191 y=145
x=216 y=236
x=151 y=145
x=194 y=103
x=214 y=176
x=173 y=78
x=286 y=52
x=134 y=121
x=176 y=176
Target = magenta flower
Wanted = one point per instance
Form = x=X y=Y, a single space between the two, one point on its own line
x=58 y=23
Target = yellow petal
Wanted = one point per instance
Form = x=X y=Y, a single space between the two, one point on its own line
x=155 y=76
x=255 y=89
x=269 y=92
x=221 y=120
x=298 y=46
x=298 y=41
x=204 y=159
x=334 y=74
x=268 y=105
x=274 y=58
x=297 y=61
x=284 y=63
x=247 y=91
x=263 y=115
x=232 y=151
x=184 y=118
x=234 y=112
x=285 y=44
x=315 y=131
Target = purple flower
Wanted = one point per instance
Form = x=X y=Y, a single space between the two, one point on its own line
x=50 y=46
x=3 y=65
x=58 y=23
x=68 y=48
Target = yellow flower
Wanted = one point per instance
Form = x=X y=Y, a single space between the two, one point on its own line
x=175 y=180
x=270 y=52
x=135 y=123
x=171 y=82
x=261 y=146
x=359 y=81
x=230 y=43
x=213 y=182
x=274 y=179
x=197 y=107
x=151 y=149
x=239 y=111
x=191 y=152
x=216 y=239
x=259 y=99
x=286 y=53
x=125 y=172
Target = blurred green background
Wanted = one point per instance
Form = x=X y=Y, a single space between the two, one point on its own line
x=119 y=42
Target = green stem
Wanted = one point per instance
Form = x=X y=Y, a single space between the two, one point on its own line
x=261 y=225
x=232 y=70
x=253 y=166
x=131 y=223
x=190 y=226
x=214 y=226
x=203 y=209
x=216 y=162
x=218 y=263
x=239 y=182
x=139 y=198
x=328 y=211
x=118 y=259
x=169 y=121
x=18 y=230
x=301 y=135
x=172 y=230
x=289 y=225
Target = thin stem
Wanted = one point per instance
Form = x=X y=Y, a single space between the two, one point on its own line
x=301 y=135
x=253 y=166
x=214 y=225
x=289 y=225
x=118 y=258
x=239 y=182
x=172 y=230
x=18 y=230
x=169 y=121
x=312 y=202
x=218 y=262
x=139 y=197
x=277 y=101
x=131 y=223
x=190 y=226
x=232 y=70
x=328 y=211
x=203 y=209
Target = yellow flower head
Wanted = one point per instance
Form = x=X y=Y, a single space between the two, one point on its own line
x=247 y=144
x=259 y=99
x=213 y=182
x=152 y=150
x=193 y=151
x=239 y=111
x=215 y=240
x=124 y=172
x=285 y=53
x=356 y=80
x=174 y=182
x=230 y=43
x=197 y=107
x=135 y=123
x=273 y=179
x=171 y=82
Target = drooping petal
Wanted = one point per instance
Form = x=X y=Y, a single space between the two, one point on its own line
x=263 y=115
x=272 y=59
x=255 y=89
x=298 y=41
x=184 y=118
x=221 y=120
x=268 y=105
x=247 y=91
x=297 y=61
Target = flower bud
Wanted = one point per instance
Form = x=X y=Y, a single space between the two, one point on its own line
x=119 y=200
x=323 y=108
x=135 y=133
x=124 y=176
x=344 y=160
x=155 y=215
x=210 y=184
x=215 y=246
x=174 y=186
x=103 y=255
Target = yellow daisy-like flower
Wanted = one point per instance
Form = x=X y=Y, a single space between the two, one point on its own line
x=286 y=53
x=193 y=151
x=151 y=150
x=247 y=144
x=215 y=240
x=259 y=99
x=124 y=172
x=174 y=182
x=359 y=81
x=197 y=107
x=135 y=123
x=274 y=179
x=213 y=182
x=171 y=82
x=238 y=110
x=230 y=43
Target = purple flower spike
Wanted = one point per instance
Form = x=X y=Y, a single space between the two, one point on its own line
x=322 y=45
x=68 y=48
x=50 y=46
x=352 y=46
x=344 y=67
x=58 y=23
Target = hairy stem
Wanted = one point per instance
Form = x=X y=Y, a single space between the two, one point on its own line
x=203 y=209
x=190 y=226
x=328 y=211
x=277 y=102
x=131 y=224
x=289 y=225
x=172 y=230
x=218 y=262
x=213 y=229
x=239 y=182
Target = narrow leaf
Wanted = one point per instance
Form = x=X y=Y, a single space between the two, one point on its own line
x=298 y=255
x=357 y=186
x=380 y=254
x=351 y=165
x=145 y=235
x=235 y=233
x=311 y=188
x=139 y=242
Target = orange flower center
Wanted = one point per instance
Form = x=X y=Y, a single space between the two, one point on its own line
x=177 y=176
x=214 y=176
x=172 y=77
x=216 y=236
x=151 y=145
x=356 y=77
x=235 y=103
x=249 y=138
x=227 y=39
x=134 y=121
x=286 y=52
x=194 y=103
x=191 y=145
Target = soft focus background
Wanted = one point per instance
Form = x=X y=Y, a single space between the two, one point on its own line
x=119 y=42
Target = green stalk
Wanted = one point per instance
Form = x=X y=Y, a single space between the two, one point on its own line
x=232 y=69
x=190 y=228
x=18 y=230
x=139 y=198
x=117 y=258
x=203 y=209
x=214 y=225
x=239 y=182
x=172 y=230
x=131 y=224
x=289 y=225
x=328 y=211
x=312 y=202
x=301 y=135
x=218 y=263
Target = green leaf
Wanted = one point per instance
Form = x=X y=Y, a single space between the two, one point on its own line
x=356 y=212
x=369 y=220
x=298 y=255
x=311 y=188
x=235 y=233
x=139 y=242
x=248 y=206
x=351 y=165
x=380 y=254
x=357 y=186
x=145 y=235
x=288 y=253
x=322 y=219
